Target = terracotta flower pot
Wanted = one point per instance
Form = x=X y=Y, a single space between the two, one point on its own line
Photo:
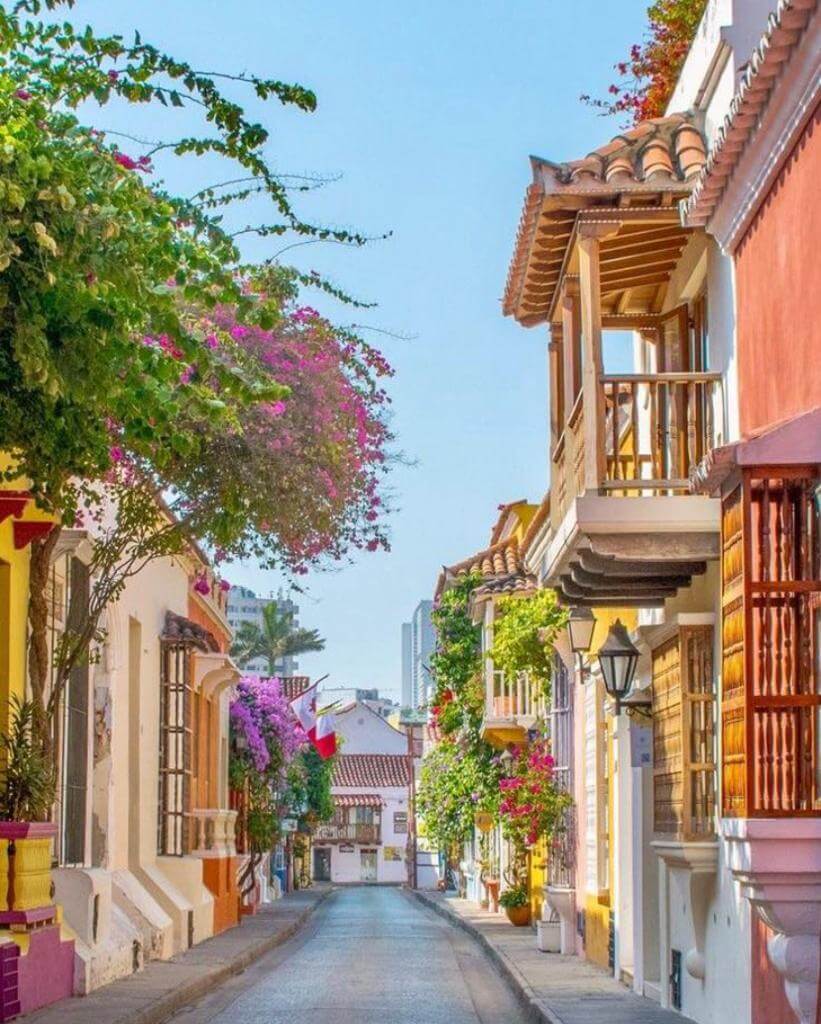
x=519 y=916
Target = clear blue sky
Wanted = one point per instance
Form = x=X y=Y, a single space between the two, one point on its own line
x=429 y=111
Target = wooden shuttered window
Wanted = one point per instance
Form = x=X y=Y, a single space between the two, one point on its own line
x=771 y=598
x=173 y=825
x=684 y=735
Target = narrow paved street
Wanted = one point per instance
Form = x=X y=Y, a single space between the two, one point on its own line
x=369 y=956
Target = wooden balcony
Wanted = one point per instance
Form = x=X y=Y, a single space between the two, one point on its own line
x=512 y=706
x=626 y=527
x=348 y=833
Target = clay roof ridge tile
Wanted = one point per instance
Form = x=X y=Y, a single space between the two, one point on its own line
x=751 y=96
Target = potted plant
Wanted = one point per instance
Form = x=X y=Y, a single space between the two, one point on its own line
x=27 y=788
x=516 y=901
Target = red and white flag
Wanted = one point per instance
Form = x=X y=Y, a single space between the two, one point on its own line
x=304 y=707
x=324 y=738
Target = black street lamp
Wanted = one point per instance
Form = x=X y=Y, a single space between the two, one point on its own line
x=618 y=657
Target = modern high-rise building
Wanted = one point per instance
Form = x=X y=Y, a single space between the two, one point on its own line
x=418 y=644
x=407 y=665
x=245 y=606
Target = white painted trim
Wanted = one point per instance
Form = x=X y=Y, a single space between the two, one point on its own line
x=785 y=116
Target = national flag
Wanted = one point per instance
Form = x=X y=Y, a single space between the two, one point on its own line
x=324 y=737
x=304 y=707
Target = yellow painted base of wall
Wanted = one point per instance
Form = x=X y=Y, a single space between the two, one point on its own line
x=596 y=930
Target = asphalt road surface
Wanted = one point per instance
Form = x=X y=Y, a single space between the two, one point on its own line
x=369 y=955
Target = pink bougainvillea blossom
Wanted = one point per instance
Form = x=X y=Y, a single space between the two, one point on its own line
x=202 y=586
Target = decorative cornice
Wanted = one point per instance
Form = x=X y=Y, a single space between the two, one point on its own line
x=723 y=196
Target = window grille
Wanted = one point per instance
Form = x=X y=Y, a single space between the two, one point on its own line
x=74 y=725
x=175 y=749
x=562 y=846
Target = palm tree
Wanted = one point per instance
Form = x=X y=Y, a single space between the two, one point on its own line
x=274 y=640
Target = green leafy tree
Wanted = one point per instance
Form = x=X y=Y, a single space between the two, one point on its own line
x=455 y=782
x=275 y=639
x=104 y=280
x=460 y=775
x=523 y=634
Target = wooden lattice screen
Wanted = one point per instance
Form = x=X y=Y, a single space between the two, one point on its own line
x=684 y=735
x=771 y=595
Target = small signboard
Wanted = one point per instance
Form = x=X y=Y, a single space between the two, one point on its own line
x=641 y=745
x=346 y=848
x=393 y=853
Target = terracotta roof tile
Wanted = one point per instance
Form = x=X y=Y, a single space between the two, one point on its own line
x=293 y=686
x=785 y=29
x=358 y=800
x=499 y=565
x=179 y=629
x=371 y=771
x=660 y=156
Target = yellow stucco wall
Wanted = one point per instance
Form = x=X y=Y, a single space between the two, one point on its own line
x=597 y=907
x=14 y=590
x=14 y=585
x=538 y=877
x=596 y=929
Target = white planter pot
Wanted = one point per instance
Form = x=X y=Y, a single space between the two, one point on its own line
x=548 y=937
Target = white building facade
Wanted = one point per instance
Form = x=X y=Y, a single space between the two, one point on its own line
x=366 y=843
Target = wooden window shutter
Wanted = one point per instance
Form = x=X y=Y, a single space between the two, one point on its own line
x=684 y=735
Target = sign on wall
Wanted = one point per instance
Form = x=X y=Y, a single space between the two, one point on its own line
x=393 y=853
x=346 y=848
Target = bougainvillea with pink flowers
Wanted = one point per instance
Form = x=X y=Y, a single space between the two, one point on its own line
x=648 y=77
x=265 y=739
x=311 y=464
x=532 y=805
x=265 y=734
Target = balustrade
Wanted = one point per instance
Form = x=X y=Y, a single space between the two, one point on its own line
x=513 y=696
x=347 y=833
x=655 y=428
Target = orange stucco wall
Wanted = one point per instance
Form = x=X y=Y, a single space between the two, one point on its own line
x=220 y=876
x=778 y=279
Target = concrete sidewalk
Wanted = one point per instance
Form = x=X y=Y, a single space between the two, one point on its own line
x=554 y=989
x=166 y=986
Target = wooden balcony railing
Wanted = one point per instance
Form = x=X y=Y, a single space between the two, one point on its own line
x=509 y=697
x=357 y=833
x=657 y=427
x=652 y=429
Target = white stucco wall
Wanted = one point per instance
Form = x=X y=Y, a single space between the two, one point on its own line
x=346 y=866
x=363 y=731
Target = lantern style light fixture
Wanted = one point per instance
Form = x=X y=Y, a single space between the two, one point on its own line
x=618 y=657
x=506 y=762
x=580 y=625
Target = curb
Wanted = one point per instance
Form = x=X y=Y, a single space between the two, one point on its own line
x=164 y=1006
x=170 y=1003
x=535 y=1010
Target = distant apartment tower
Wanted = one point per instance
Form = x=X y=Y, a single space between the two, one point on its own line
x=245 y=606
x=407 y=665
x=418 y=643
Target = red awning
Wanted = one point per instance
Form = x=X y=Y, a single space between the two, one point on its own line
x=358 y=800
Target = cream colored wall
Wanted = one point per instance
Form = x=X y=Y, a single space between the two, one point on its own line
x=127 y=788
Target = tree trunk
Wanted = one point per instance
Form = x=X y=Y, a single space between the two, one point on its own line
x=38 y=654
